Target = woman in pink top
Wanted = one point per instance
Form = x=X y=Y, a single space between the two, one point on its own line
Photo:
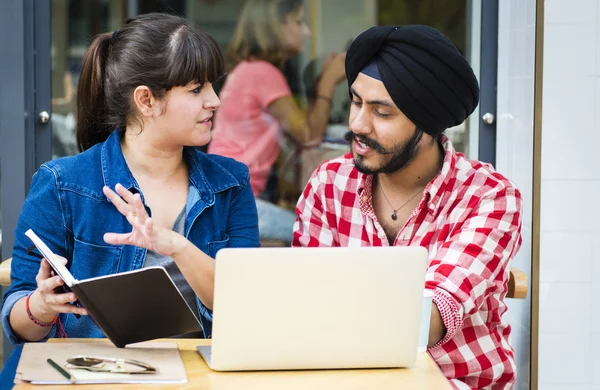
x=257 y=106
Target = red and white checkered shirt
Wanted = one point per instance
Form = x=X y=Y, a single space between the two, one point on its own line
x=469 y=219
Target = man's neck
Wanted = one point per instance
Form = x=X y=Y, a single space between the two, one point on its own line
x=418 y=173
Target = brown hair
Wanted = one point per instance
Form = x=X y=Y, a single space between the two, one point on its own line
x=157 y=50
x=258 y=33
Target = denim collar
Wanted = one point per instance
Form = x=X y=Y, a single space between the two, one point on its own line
x=206 y=175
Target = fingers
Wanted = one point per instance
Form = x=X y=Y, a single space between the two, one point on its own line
x=49 y=284
x=149 y=227
x=44 y=272
x=133 y=200
x=329 y=58
x=125 y=193
x=69 y=308
x=116 y=200
x=117 y=238
x=61 y=303
x=62 y=259
x=59 y=299
x=128 y=204
x=145 y=231
x=58 y=302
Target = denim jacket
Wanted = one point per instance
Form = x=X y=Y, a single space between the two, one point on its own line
x=67 y=209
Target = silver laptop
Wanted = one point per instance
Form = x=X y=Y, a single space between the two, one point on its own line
x=316 y=308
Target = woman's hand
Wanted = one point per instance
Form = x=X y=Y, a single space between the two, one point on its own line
x=334 y=70
x=144 y=233
x=45 y=303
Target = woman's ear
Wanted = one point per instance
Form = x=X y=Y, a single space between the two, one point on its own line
x=144 y=101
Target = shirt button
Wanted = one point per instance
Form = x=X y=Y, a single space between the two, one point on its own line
x=431 y=207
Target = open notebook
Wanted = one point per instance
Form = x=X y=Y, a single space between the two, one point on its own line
x=164 y=356
x=129 y=307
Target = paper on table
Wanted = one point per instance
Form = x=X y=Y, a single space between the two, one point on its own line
x=34 y=368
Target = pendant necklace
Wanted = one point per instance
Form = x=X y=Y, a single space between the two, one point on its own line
x=394 y=212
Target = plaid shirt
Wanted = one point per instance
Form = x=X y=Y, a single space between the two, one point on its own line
x=469 y=219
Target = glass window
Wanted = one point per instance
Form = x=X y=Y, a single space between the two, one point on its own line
x=74 y=22
x=449 y=17
x=333 y=25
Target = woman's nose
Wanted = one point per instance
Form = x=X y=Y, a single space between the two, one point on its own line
x=212 y=101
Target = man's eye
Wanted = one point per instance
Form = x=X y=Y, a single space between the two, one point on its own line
x=379 y=114
x=356 y=102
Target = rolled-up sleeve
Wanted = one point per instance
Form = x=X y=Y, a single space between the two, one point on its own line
x=41 y=212
x=474 y=261
x=6 y=309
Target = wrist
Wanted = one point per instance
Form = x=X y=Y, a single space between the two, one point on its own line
x=39 y=309
x=178 y=245
x=325 y=87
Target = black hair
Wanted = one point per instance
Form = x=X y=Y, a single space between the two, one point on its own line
x=160 y=51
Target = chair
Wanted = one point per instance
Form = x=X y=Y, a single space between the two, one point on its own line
x=517 y=284
x=5 y=272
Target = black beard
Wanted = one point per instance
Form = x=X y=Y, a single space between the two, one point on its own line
x=401 y=155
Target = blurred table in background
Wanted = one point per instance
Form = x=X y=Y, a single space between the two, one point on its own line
x=297 y=163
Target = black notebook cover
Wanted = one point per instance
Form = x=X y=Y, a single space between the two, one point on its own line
x=129 y=307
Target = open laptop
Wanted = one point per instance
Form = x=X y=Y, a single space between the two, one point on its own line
x=316 y=308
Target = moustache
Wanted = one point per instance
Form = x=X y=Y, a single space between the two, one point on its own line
x=349 y=136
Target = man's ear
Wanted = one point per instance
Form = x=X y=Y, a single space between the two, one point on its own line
x=144 y=101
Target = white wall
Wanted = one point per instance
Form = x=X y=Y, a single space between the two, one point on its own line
x=570 y=219
x=514 y=148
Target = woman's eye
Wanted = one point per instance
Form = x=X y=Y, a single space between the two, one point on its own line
x=196 y=90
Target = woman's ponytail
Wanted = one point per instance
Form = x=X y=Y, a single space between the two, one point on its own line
x=92 y=124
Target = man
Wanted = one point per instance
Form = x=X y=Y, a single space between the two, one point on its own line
x=404 y=184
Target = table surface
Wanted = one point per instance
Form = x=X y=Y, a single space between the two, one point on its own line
x=423 y=375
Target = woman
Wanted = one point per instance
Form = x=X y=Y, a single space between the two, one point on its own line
x=257 y=104
x=145 y=101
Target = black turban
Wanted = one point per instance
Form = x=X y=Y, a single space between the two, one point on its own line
x=424 y=73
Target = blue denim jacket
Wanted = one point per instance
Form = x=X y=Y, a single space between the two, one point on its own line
x=69 y=212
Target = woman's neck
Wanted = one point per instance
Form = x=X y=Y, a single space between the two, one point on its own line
x=144 y=157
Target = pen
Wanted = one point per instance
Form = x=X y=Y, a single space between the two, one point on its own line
x=60 y=369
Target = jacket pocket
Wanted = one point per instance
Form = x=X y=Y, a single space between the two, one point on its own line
x=215 y=246
x=90 y=260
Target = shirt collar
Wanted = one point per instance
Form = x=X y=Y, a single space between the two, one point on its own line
x=438 y=185
x=434 y=191
x=206 y=175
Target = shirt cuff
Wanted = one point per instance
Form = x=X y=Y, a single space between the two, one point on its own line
x=450 y=312
x=205 y=312
x=10 y=301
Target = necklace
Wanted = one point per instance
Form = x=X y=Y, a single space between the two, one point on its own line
x=394 y=212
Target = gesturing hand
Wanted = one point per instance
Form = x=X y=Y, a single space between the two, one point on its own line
x=144 y=233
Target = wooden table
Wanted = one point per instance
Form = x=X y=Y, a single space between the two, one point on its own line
x=424 y=375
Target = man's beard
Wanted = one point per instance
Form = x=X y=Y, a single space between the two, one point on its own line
x=401 y=154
